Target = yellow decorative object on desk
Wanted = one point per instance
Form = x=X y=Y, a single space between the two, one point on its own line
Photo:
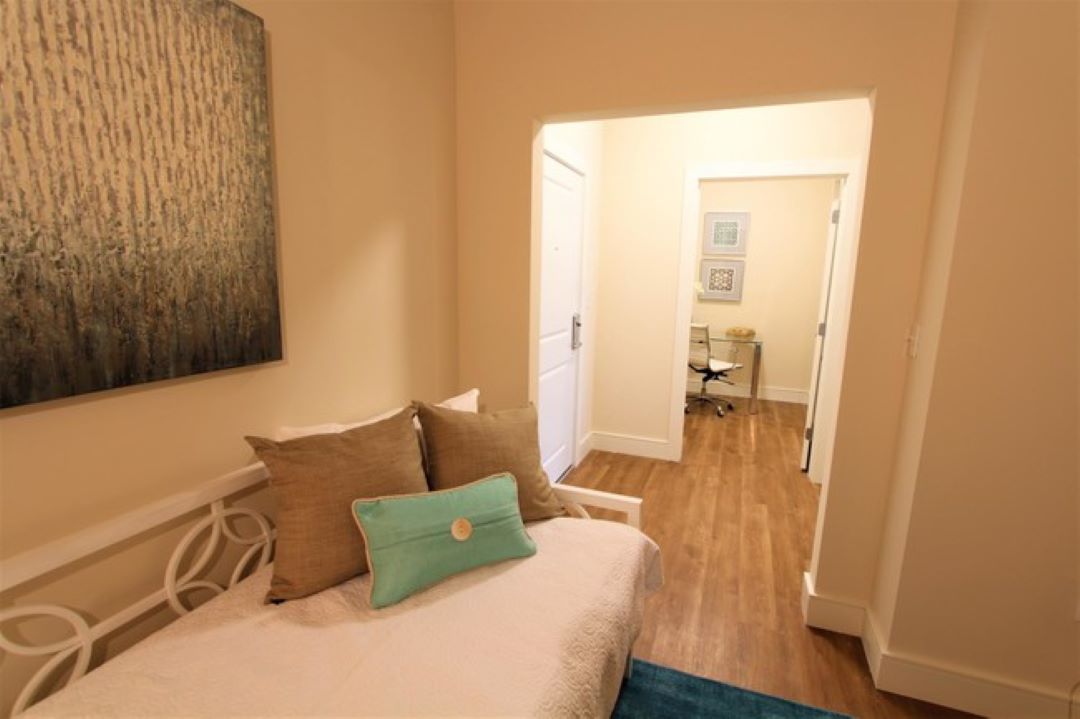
x=742 y=333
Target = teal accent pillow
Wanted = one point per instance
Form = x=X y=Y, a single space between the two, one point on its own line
x=417 y=540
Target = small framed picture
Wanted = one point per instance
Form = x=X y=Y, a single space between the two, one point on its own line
x=726 y=233
x=722 y=279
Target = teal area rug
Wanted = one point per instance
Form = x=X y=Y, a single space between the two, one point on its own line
x=656 y=692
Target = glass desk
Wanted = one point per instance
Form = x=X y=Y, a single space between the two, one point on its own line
x=755 y=367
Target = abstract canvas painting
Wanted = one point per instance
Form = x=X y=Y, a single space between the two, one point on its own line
x=136 y=202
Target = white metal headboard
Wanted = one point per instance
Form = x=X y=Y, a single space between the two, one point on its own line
x=48 y=558
x=39 y=562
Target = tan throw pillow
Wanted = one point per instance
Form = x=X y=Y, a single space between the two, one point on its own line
x=463 y=447
x=314 y=481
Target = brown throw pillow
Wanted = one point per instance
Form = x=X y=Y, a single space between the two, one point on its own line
x=314 y=481
x=463 y=447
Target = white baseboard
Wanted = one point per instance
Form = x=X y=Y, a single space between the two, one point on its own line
x=775 y=394
x=629 y=444
x=958 y=687
x=585 y=445
x=871 y=645
x=831 y=614
x=922 y=678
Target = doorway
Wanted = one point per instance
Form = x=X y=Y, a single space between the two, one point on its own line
x=798 y=268
x=733 y=508
x=828 y=271
x=639 y=263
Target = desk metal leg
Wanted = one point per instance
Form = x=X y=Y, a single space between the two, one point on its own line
x=755 y=375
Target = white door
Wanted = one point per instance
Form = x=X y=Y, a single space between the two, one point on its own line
x=822 y=328
x=562 y=228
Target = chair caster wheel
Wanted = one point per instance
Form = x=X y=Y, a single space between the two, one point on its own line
x=719 y=412
x=730 y=406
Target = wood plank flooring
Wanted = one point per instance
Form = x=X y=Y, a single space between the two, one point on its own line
x=735 y=522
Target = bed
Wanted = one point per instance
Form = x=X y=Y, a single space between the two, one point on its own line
x=550 y=635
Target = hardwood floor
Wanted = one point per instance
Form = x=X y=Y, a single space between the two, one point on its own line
x=735 y=522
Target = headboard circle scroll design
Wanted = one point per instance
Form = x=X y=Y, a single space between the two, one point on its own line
x=217 y=521
x=81 y=642
x=258 y=548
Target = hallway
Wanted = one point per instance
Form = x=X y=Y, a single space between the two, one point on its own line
x=735 y=522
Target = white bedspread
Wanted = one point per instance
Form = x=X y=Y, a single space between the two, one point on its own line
x=542 y=636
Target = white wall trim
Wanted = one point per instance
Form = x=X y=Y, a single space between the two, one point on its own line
x=774 y=394
x=649 y=447
x=871 y=644
x=958 y=687
x=564 y=153
x=832 y=614
x=923 y=678
x=584 y=446
x=738 y=170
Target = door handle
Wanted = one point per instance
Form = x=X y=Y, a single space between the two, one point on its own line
x=575 y=331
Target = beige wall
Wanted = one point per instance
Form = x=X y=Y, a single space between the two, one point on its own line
x=645 y=162
x=566 y=61
x=952 y=165
x=363 y=113
x=979 y=566
x=785 y=259
x=362 y=99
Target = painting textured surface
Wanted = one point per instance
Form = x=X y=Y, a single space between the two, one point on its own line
x=136 y=202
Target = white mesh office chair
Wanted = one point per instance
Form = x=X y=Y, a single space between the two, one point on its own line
x=709 y=367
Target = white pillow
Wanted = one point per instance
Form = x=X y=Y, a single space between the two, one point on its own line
x=464 y=402
x=287 y=433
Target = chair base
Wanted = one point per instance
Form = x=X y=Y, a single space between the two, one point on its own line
x=718 y=402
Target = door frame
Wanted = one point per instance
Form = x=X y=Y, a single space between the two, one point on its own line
x=577 y=451
x=835 y=346
x=827 y=272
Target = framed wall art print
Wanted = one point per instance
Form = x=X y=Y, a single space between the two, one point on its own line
x=722 y=279
x=725 y=233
